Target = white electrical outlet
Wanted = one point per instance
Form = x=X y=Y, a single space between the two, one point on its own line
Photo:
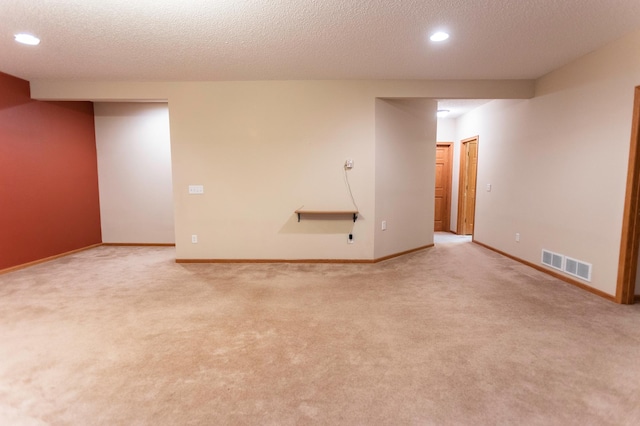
x=350 y=239
x=194 y=239
x=517 y=237
x=488 y=187
x=384 y=225
x=348 y=164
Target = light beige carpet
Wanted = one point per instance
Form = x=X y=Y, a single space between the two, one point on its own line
x=448 y=237
x=454 y=334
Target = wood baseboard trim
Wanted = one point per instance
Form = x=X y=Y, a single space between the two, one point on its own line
x=335 y=261
x=552 y=273
x=402 y=253
x=274 y=261
x=47 y=259
x=139 y=244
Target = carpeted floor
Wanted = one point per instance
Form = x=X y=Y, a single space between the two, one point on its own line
x=448 y=237
x=454 y=334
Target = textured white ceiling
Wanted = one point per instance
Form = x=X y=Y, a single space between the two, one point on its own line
x=144 y=40
x=458 y=107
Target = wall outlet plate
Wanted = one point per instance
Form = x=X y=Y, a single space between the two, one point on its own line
x=348 y=164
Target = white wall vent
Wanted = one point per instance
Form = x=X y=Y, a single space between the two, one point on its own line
x=578 y=268
x=552 y=259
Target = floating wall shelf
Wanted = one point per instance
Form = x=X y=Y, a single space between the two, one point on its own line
x=352 y=213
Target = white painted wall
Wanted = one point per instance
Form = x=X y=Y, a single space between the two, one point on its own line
x=446 y=130
x=405 y=174
x=134 y=172
x=558 y=162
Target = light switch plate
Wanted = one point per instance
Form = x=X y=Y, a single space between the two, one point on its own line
x=196 y=189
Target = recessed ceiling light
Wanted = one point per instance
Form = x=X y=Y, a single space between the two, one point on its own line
x=29 y=39
x=442 y=113
x=439 y=36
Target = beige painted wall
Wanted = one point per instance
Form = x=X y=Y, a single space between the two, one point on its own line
x=558 y=163
x=134 y=172
x=263 y=149
x=156 y=91
x=455 y=180
x=404 y=174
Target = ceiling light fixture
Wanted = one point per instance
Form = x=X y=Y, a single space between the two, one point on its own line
x=28 y=39
x=442 y=113
x=439 y=36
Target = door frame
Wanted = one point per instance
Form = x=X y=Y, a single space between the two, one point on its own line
x=449 y=191
x=628 y=261
x=462 y=171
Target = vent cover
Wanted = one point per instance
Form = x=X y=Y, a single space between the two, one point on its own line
x=578 y=268
x=552 y=259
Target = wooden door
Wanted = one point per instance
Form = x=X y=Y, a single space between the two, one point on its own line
x=444 y=153
x=467 y=186
x=630 y=241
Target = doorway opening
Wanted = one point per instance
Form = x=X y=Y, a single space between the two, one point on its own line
x=467 y=185
x=628 y=262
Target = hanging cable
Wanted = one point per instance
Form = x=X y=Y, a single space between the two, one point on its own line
x=346 y=180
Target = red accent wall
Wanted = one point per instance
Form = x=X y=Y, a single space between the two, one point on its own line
x=48 y=176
